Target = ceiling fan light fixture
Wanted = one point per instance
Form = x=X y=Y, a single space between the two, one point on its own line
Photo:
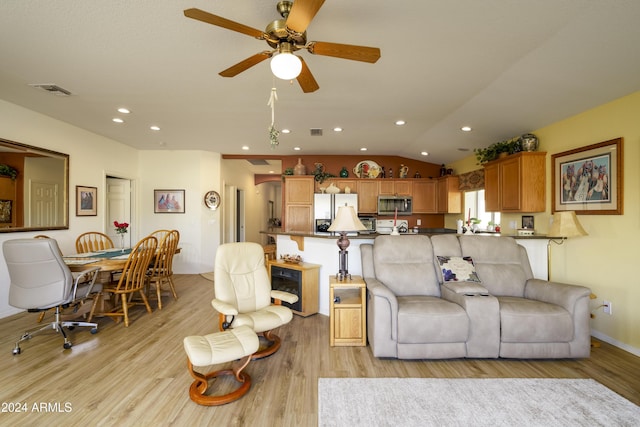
x=285 y=65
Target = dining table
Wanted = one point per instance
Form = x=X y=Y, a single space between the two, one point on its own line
x=109 y=260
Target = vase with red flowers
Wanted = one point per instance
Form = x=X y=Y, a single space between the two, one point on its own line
x=121 y=229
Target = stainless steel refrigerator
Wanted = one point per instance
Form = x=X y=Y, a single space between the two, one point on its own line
x=325 y=207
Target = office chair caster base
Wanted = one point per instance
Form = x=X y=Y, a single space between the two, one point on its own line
x=16 y=351
x=67 y=345
x=94 y=331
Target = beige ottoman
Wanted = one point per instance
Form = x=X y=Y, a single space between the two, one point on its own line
x=237 y=345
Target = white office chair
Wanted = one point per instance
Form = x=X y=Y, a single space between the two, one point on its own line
x=40 y=280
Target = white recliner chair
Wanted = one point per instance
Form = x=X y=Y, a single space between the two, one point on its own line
x=243 y=294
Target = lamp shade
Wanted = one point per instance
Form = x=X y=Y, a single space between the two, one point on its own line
x=566 y=224
x=285 y=65
x=346 y=220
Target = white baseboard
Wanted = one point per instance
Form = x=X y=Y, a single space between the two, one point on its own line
x=608 y=339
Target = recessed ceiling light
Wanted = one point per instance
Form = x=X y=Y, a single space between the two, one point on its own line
x=286 y=131
x=272 y=172
x=297 y=148
x=124 y=110
x=424 y=153
x=245 y=148
x=156 y=128
x=117 y=120
x=363 y=149
x=400 y=122
x=337 y=129
x=466 y=128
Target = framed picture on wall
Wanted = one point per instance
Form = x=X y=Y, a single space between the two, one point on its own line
x=5 y=211
x=588 y=180
x=168 y=201
x=86 y=201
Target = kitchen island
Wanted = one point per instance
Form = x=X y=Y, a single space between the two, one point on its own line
x=321 y=248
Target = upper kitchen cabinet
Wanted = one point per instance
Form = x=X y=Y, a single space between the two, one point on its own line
x=449 y=195
x=395 y=187
x=367 y=196
x=424 y=197
x=516 y=183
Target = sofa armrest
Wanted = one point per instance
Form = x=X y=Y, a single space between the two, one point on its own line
x=483 y=311
x=561 y=294
x=465 y=288
x=386 y=303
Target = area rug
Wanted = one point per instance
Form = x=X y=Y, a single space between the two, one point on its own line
x=471 y=402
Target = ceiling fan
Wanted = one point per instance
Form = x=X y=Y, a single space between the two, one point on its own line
x=286 y=36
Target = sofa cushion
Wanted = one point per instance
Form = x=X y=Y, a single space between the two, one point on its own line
x=529 y=321
x=425 y=319
x=500 y=262
x=458 y=269
x=405 y=264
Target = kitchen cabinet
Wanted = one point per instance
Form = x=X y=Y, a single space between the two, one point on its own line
x=298 y=201
x=449 y=195
x=424 y=197
x=516 y=183
x=393 y=187
x=367 y=196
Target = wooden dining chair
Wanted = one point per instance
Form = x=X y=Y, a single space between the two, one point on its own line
x=132 y=281
x=160 y=234
x=162 y=270
x=93 y=241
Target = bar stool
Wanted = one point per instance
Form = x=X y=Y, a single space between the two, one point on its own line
x=237 y=345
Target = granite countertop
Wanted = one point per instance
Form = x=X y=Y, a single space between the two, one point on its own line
x=421 y=231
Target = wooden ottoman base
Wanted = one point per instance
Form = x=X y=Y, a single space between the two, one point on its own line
x=201 y=384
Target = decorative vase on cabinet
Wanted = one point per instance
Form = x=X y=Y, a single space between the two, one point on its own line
x=300 y=169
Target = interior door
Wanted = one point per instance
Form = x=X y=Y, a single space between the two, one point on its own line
x=118 y=208
x=43 y=206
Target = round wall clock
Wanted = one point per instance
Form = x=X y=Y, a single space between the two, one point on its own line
x=212 y=199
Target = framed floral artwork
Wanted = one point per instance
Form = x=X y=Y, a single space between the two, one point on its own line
x=168 y=201
x=589 y=180
x=86 y=201
x=5 y=211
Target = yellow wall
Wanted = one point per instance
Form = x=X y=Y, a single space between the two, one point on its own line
x=607 y=259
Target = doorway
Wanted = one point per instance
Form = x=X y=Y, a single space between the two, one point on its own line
x=234 y=215
x=118 y=208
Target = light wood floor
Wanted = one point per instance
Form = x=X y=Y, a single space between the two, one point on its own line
x=137 y=376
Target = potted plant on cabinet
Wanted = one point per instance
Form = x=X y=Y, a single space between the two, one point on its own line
x=494 y=151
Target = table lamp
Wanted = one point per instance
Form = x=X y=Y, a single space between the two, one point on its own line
x=565 y=225
x=346 y=221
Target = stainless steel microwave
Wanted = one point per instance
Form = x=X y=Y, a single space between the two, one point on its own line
x=370 y=224
x=392 y=205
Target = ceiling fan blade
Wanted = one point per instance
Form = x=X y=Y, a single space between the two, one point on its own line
x=345 y=51
x=241 y=66
x=306 y=80
x=219 y=21
x=302 y=12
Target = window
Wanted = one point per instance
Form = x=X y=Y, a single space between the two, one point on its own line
x=474 y=206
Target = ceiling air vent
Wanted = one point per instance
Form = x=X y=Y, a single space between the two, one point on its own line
x=258 y=162
x=51 y=88
x=316 y=132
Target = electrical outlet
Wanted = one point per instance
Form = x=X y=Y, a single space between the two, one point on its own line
x=606 y=307
x=513 y=224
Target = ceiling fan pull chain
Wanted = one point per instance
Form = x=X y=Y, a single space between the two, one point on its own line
x=273 y=132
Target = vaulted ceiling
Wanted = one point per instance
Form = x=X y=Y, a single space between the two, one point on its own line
x=502 y=67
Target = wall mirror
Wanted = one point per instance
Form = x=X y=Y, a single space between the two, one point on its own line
x=34 y=188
